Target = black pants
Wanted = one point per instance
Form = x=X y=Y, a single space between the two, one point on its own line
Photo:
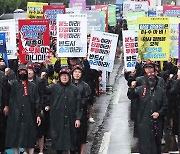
x=2 y=132
x=61 y=152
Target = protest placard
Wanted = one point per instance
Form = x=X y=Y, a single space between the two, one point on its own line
x=3 y=53
x=17 y=17
x=130 y=47
x=171 y=11
x=102 y=50
x=73 y=11
x=174 y=34
x=50 y=12
x=112 y=15
x=132 y=19
x=103 y=16
x=9 y=28
x=134 y=6
x=81 y=4
x=93 y=20
x=71 y=35
x=35 y=10
x=153 y=38
x=34 y=40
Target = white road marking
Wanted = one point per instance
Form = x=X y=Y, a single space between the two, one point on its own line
x=105 y=143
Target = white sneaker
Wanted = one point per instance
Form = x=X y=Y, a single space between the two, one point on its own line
x=163 y=141
x=25 y=153
x=91 y=120
x=40 y=153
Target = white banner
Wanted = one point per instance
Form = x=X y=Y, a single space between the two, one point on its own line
x=71 y=35
x=18 y=16
x=102 y=49
x=132 y=6
x=9 y=28
x=130 y=47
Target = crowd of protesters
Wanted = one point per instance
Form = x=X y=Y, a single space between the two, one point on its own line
x=40 y=101
x=29 y=105
x=154 y=95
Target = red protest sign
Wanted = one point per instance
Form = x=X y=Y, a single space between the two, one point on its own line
x=34 y=40
x=50 y=12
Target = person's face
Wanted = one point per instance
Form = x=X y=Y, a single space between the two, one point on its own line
x=77 y=74
x=64 y=78
x=73 y=62
x=30 y=74
x=22 y=72
x=169 y=59
x=178 y=75
x=139 y=60
x=149 y=69
x=2 y=63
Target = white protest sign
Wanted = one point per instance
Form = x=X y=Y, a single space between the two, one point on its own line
x=130 y=47
x=102 y=49
x=9 y=28
x=71 y=35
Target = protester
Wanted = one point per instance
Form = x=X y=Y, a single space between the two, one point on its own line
x=3 y=115
x=65 y=113
x=152 y=109
x=85 y=92
x=23 y=112
x=43 y=100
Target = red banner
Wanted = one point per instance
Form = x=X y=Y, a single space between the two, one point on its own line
x=171 y=11
x=34 y=40
x=50 y=12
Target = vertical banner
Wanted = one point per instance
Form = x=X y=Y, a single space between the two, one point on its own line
x=18 y=16
x=130 y=46
x=3 y=53
x=35 y=10
x=171 y=11
x=9 y=28
x=34 y=40
x=50 y=12
x=71 y=35
x=102 y=49
x=93 y=20
x=78 y=4
x=154 y=39
x=112 y=15
x=174 y=34
x=132 y=19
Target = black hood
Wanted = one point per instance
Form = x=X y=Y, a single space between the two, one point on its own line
x=22 y=67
